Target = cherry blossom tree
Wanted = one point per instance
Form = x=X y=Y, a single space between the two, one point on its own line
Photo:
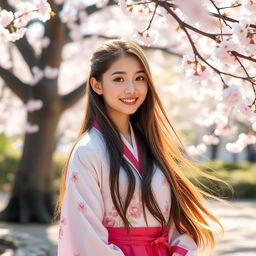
x=36 y=86
x=217 y=41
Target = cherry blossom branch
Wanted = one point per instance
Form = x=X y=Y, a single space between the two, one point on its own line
x=230 y=7
x=243 y=56
x=71 y=98
x=16 y=85
x=152 y=18
x=25 y=49
x=216 y=15
x=250 y=80
x=183 y=26
x=220 y=15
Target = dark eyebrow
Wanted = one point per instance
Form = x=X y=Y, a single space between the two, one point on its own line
x=122 y=72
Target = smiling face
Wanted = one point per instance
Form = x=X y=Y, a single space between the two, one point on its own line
x=123 y=87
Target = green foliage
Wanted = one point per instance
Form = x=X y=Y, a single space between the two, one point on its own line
x=241 y=176
x=8 y=162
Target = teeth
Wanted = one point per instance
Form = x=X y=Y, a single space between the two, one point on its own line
x=128 y=100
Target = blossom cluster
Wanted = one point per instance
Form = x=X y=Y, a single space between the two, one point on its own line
x=13 y=24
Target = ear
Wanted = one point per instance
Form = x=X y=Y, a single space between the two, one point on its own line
x=96 y=85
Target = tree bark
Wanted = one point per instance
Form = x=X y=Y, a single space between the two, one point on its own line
x=32 y=194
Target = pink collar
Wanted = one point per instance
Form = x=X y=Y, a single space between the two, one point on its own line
x=127 y=152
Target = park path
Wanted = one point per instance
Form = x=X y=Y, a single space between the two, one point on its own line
x=238 y=219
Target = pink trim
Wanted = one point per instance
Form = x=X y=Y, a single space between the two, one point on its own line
x=144 y=236
x=180 y=250
x=96 y=125
x=127 y=152
x=131 y=157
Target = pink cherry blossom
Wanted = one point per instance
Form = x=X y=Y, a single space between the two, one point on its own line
x=147 y=37
x=20 y=22
x=210 y=140
x=4 y=34
x=240 y=32
x=20 y=32
x=67 y=16
x=246 y=139
x=51 y=72
x=25 y=10
x=251 y=5
x=33 y=105
x=223 y=51
x=45 y=42
x=226 y=130
x=37 y=76
x=44 y=10
x=126 y=7
x=245 y=109
x=201 y=74
x=234 y=147
x=194 y=12
x=196 y=150
x=31 y=128
x=232 y=95
x=6 y=18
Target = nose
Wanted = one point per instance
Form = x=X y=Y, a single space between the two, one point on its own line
x=130 y=87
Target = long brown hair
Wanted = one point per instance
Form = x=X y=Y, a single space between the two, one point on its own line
x=159 y=143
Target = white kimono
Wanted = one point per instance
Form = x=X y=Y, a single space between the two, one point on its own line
x=88 y=207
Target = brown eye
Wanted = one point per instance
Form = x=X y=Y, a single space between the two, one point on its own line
x=118 y=79
x=140 y=78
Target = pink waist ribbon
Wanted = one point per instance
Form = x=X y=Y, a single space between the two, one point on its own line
x=143 y=241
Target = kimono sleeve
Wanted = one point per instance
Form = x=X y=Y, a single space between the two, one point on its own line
x=183 y=244
x=81 y=232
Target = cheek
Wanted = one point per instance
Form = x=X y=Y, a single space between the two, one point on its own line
x=144 y=90
x=111 y=93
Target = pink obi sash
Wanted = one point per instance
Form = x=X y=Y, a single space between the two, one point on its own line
x=148 y=241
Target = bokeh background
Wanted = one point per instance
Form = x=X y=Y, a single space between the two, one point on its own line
x=42 y=85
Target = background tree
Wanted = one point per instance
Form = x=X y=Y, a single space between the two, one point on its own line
x=32 y=194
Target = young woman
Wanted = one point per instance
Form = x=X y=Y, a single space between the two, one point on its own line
x=122 y=191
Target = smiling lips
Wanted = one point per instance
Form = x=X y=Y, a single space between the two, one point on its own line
x=129 y=101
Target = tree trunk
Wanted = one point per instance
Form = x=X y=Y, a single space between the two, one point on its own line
x=251 y=153
x=214 y=151
x=32 y=195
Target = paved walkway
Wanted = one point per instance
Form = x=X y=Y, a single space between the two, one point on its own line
x=239 y=221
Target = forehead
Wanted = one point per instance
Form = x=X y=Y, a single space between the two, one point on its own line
x=126 y=64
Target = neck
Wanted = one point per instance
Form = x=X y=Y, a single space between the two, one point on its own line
x=122 y=124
